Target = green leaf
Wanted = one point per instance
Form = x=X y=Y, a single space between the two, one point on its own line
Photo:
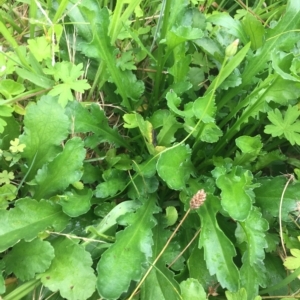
x=8 y=192
x=287 y=126
x=111 y=218
x=125 y=258
x=68 y=73
x=27 y=219
x=46 y=126
x=9 y=87
x=293 y=262
x=160 y=283
x=28 y=258
x=76 y=203
x=235 y=193
x=218 y=249
x=115 y=181
x=93 y=119
x=40 y=48
x=170 y=126
x=100 y=48
x=37 y=79
x=198 y=270
x=252 y=276
x=211 y=133
x=281 y=91
x=6 y=111
x=174 y=166
x=239 y=295
x=70 y=272
x=173 y=101
x=254 y=29
x=269 y=193
x=281 y=62
x=229 y=68
x=233 y=26
x=65 y=169
x=252 y=231
x=191 y=289
x=2 y=285
x=204 y=108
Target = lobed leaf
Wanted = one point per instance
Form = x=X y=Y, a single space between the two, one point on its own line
x=235 y=197
x=46 y=126
x=27 y=219
x=287 y=125
x=218 y=249
x=76 y=203
x=174 y=166
x=124 y=259
x=28 y=258
x=71 y=271
x=65 y=169
x=252 y=231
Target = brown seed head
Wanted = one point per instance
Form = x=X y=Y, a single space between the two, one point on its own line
x=198 y=199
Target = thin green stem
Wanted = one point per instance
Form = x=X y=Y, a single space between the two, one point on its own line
x=161 y=59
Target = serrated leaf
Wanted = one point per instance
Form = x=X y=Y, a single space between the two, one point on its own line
x=46 y=126
x=65 y=169
x=124 y=259
x=211 y=133
x=288 y=125
x=252 y=276
x=198 y=270
x=70 y=272
x=174 y=166
x=27 y=219
x=205 y=109
x=252 y=232
x=28 y=258
x=191 y=289
x=75 y=203
x=93 y=119
x=218 y=249
x=269 y=194
x=235 y=193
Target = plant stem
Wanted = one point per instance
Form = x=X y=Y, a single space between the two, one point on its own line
x=159 y=255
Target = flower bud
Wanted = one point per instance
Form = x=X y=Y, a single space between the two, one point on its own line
x=232 y=48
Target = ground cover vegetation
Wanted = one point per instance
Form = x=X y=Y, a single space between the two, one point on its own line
x=149 y=149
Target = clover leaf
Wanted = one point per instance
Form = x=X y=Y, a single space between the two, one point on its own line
x=5 y=177
x=16 y=146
